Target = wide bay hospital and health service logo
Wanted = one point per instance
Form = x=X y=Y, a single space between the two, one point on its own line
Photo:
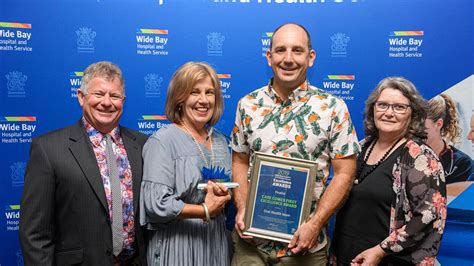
x=17 y=129
x=15 y=36
x=149 y=124
x=16 y=82
x=266 y=40
x=225 y=81
x=340 y=86
x=12 y=217
x=405 y=44
x=152 y=42
x=75 y=80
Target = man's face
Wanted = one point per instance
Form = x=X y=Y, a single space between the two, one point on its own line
x=103 y=103
x=290 y=57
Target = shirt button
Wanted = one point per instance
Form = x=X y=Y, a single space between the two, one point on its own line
x=108 y=252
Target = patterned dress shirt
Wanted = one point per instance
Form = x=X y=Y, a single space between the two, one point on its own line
x=125 y=173
x=311 y=125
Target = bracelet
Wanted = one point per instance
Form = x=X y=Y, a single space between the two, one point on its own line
x=206 y=211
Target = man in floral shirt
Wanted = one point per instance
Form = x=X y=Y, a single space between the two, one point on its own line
x=68 y=215
x=291 y=118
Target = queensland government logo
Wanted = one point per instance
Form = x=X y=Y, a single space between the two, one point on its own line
x=340 y=86
x=402 y=44
x=16 y=84
x=85 y=40
x=266 y=40
x=19 y=258
x=153 y=85
x=215 y=41
x=339 y=44
x=18 y=173
x=15 y=36
x=75 y=80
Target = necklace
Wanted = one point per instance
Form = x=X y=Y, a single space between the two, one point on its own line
x=359 y=178
x=201 y=152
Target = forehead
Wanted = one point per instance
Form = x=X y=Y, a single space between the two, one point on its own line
x=391 y=95
x=101 y=83
x=290 y=35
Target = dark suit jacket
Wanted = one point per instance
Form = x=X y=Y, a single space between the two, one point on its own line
x=64 y=217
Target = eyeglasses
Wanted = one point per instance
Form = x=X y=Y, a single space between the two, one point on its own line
x=398 y=108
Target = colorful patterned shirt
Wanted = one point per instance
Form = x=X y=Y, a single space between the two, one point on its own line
x=311 y=125
x=125 y=173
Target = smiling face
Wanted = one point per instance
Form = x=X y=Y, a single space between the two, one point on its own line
x=290 y=57
x=199 y=106
x=102 y=105
x=388 y=122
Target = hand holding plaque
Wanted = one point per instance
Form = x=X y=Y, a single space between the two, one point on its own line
x=279 y=198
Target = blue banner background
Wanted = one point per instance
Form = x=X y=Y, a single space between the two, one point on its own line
x=351 y=38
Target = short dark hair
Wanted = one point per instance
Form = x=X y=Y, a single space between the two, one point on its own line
x=416 y=128
x=310 y=47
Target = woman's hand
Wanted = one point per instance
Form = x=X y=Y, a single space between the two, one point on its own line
x=369 y=257
x=216 y=198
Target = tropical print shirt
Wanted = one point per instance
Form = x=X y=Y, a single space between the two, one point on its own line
x=311 y=125
x=125 y=174
x=418 y=212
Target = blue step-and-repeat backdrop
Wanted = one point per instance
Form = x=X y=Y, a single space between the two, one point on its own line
x=45 y=46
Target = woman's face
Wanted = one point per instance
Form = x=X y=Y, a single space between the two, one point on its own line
x=392 y=121
x=199 y=106
x=433 y=130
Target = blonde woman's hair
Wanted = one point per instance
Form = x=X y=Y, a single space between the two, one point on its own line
x=180 y=88
x=444 y=107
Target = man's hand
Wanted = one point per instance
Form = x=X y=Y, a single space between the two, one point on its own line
x=240 y=167
x=240 y=224
x=304 y=238
x=369 y=257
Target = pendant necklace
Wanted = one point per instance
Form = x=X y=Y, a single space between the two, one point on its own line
x=359 y=178
x=199 y=146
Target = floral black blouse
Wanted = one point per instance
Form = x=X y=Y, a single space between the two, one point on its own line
x=418 y=212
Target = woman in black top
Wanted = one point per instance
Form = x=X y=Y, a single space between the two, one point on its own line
x=442 y=128
x=396 y=211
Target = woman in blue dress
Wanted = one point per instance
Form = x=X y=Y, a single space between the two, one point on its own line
x=186 y=225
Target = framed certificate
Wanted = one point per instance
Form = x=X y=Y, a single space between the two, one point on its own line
x=280 y=195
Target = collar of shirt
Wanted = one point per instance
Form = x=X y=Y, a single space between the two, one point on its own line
x=96 y=136
x=299 y=94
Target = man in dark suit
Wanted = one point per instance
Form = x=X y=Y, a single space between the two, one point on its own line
x=74 y=177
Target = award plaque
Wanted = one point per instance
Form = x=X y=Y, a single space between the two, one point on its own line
x=279 y=198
